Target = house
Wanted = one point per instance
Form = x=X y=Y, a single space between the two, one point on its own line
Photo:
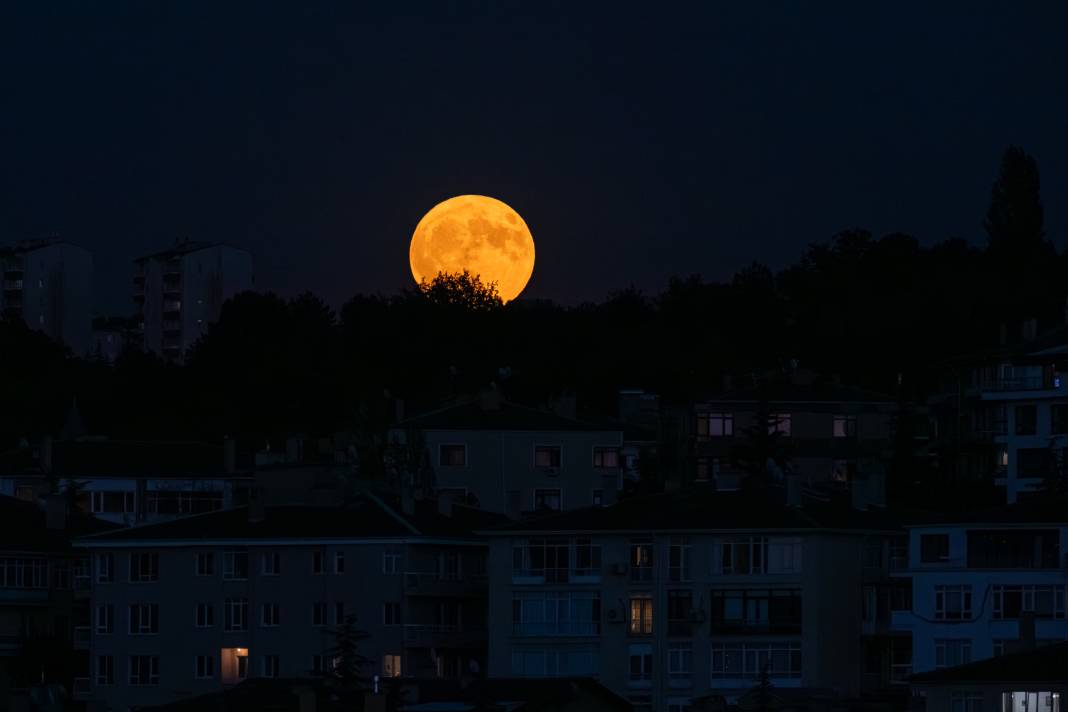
x=1024 y=681
x=672 y=597
x=44 y=595
x=197 y=604
x=977 y=576
x=513 y=459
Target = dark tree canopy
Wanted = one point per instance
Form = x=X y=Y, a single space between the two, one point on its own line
x=461 y=289
x=1014 y=221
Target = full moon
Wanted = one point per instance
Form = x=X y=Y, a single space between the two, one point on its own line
x=475 y=233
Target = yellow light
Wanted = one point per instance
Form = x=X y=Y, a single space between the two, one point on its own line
x=475 y=233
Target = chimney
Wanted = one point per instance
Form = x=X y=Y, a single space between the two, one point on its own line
x=56 y=512
x=793 y=490
x=229 y=455
x=46 y=454
x=489 y=398
x=256 y=511
x=445 y=501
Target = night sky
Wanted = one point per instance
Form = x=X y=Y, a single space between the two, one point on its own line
x=637 y=141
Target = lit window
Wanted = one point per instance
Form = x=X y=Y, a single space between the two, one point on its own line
x=844 y=426
x=391 y=665
x=641 y=614
x=606 y=458
x=452 y=455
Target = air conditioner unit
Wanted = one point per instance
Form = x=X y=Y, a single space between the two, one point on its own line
x=619 y=569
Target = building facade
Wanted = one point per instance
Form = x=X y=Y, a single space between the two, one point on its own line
x=194 y=605
x=676 y=597
x=974 y=581
x=180 y=291
x=48 y=284
x=507 y=458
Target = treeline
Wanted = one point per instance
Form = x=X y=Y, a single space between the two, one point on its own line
x=876 y=311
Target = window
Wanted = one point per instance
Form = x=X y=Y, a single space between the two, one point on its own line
x=452 y=455
x=339 y=562
x=1044 y=601
x=205 y=667
x=144 y=568
x=318 y=562
x=966 y=702
x=391 y=562
x=205 y=615
x=934 y=548
x=547 y=499
x=580 y=662
x=715 y=425
x=26 y=493
x=321 y=665
x=144 y=670
x=235 y=564
x=235 y=614
x=641 y=665
x=105 y=670
x=556 y=613
x=1026 y=419
x=391 y=666
x=953 y=603
x=679 y=559
x=680 y=664
x=749 y=660
x=641 y=614
x=269 y=615
x=111 y=502
x=1059 y=419
x=743 y=555
x=205 y=564
x=784 y=555
x=548 y=559
x=319 y=613
x=391 y=614
x=641 y=560
x=1014 y=549
x=270 y=563
x=680 y=606
x=144 y=619
x=449 y=566
x=269 y=666
x=105 y=568
x=587 y=558
x=23 y=573
x=339 y=612
x=780 y=423
x=844 y=426
x=952 y=651
x=547 y=457
x=751 y=610
x=677 y=704
x=597 y=498
x=105 y=619
x=606 y=458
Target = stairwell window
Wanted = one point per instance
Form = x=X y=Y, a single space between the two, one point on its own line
x=235 y=614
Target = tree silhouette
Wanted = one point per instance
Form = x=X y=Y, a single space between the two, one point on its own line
x=1014 y=221
x=461 y=289
x=349 y=663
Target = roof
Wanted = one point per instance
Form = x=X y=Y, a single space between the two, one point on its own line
x=703 y=508
x=363 y=516
x=23 y=527
x=471 y=415
x=101 y=457
x=1048 y=663
x=782 y=391
x=182 y=247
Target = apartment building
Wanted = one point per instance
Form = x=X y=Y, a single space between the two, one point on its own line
x=1002 y=416
x=130 y=482
x=197 y=604
x=978 y=577
x=687 y=595
x=48 y=284
x=180 y=291
x=44 y=595
x=508 y=458
x=823 y=430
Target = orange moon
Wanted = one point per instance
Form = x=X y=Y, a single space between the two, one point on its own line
x=475 y=233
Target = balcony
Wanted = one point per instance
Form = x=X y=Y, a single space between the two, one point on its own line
x=12 y=285
x=441 y=634
x=536 y=629
x=171 y=325
x=550 y=576
x=758 y=626
x=431 y=583
x=81 y=637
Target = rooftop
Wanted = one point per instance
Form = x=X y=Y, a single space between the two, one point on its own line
x=1048 y=663
x=474 y=415
x=23 y=527
x=703 y=508
x=365 y=515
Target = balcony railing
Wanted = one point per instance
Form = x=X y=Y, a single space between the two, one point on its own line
x=554 y=628
x=758 y=625
x=1023 y=383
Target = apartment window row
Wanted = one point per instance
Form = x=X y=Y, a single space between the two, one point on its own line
x=775 y=610
x=556 y=560
x=952 y=651
x=553 y=613
x=721 y=425
x=749 y=660
x=144 y=566
x=953 y=602
x=23 y=572
x=1044 y=601
x=545 y=456
x=144 y=670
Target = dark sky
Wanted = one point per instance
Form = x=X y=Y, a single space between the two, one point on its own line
x=637 y=141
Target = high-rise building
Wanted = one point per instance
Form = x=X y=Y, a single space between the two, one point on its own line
x=181 y=290
x=48 y=284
